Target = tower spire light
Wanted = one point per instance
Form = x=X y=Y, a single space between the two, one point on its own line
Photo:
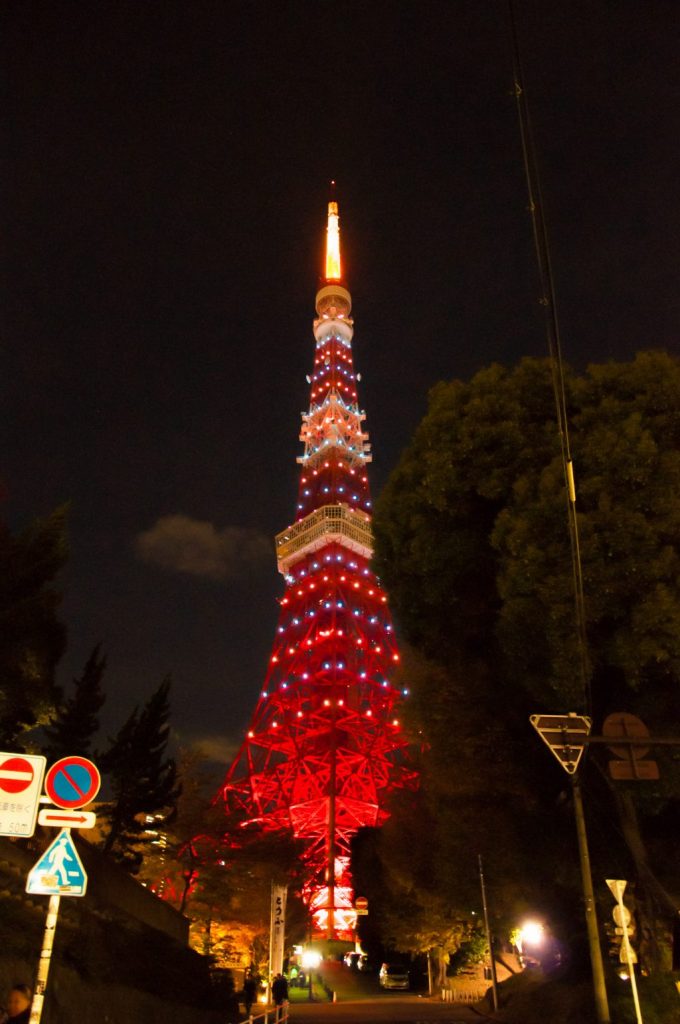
x=333 y=266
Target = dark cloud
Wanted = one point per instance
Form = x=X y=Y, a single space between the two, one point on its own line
x=178 y=543
x=217 y=748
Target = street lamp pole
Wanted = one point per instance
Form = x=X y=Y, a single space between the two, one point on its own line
x=600 y=990
x=494 y=982
x=565 y=737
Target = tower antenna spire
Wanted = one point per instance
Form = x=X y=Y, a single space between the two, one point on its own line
x=333 y=265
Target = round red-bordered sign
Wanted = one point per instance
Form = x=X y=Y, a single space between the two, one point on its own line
x=16 y=775
x=72 y=782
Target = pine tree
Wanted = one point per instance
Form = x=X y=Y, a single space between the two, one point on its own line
x=32 y=639
x=76 y=722
x=142 y=777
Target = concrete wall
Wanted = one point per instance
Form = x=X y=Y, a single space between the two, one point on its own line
x=120 y=953
x=108 y=886
x=72 y=1000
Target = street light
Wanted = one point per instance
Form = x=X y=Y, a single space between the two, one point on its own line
x=310 y=961
x=530 y=938
x=531 y=933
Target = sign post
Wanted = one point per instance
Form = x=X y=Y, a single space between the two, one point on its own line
x=277 y=929
x=70 y=784
x=622 y=919
x=45 y=958
x=566 y=736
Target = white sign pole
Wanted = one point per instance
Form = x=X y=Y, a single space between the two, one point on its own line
x=45 y=958
x=277 y=929
x=618 y=887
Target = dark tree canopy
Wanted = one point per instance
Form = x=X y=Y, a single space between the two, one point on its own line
x=472 y=540
x=76 y=723
x=142 y=777
x=32 y=639
x=472 y=543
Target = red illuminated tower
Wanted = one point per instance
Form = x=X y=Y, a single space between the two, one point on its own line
x=325 y=747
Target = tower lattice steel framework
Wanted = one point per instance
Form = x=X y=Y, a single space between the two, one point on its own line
x=325 y=746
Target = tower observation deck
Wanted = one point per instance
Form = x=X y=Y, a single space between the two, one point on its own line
x=325 y=745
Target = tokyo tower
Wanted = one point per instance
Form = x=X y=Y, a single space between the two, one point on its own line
x=325 y=747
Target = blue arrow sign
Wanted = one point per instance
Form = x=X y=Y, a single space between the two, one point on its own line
x=59 y=872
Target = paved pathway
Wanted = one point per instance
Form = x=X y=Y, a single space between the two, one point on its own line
x=360 y=1000
x=397 y=1011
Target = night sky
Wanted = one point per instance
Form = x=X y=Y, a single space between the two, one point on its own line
x=163 y=190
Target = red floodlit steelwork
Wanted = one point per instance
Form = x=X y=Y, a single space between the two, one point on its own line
x=325 y=746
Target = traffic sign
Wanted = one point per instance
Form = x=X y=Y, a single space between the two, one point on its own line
x=72 y=782
x=631 y=763
x=361 y=905
x=564 y=735
x=623 y=920
x=617 y=887
x=55 y=818
x=21 y=777
x=59 y=872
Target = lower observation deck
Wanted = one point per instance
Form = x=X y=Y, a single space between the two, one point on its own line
x=326 y=525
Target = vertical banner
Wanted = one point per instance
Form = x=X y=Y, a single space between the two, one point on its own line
x=277 y=929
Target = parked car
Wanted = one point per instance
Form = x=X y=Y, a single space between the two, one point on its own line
x=394 y=976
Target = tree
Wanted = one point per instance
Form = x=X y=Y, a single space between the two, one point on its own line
x=208 y=868
x=32 y=639
x=143 y=778
x=473 y=546
x=173 y=859
x=76 y=722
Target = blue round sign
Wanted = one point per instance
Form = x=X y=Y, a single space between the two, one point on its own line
x=72 y=782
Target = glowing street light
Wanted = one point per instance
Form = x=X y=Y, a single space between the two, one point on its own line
x=531 y=933
x=311 y=959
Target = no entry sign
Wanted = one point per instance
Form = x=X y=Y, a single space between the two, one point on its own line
x=16 y=775
x=72 y=782
x=21 y=778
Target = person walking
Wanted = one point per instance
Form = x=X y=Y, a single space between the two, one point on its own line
x=280 y=994
x=19 y=1004
x=249 y=992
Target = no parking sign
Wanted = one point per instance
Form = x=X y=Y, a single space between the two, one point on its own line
x=72 y=782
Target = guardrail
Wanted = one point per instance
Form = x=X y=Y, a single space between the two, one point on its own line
x=449 y=995
x=272 y=1015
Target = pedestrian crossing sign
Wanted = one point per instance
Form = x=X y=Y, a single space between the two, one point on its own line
x=59 y=872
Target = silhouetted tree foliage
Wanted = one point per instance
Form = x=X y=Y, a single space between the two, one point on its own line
x=220 y=875
x=142 y=777
x=472 y=544
x=76 y=721
x=32 y=639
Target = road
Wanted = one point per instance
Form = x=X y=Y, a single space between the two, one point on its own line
x=360 y=1000
x=397 y=1010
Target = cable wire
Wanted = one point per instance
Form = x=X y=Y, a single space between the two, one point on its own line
x=548 y=301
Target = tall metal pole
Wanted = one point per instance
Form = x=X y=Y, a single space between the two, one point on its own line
x=45 y=958
x=601 y=1004
x=494 y=982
